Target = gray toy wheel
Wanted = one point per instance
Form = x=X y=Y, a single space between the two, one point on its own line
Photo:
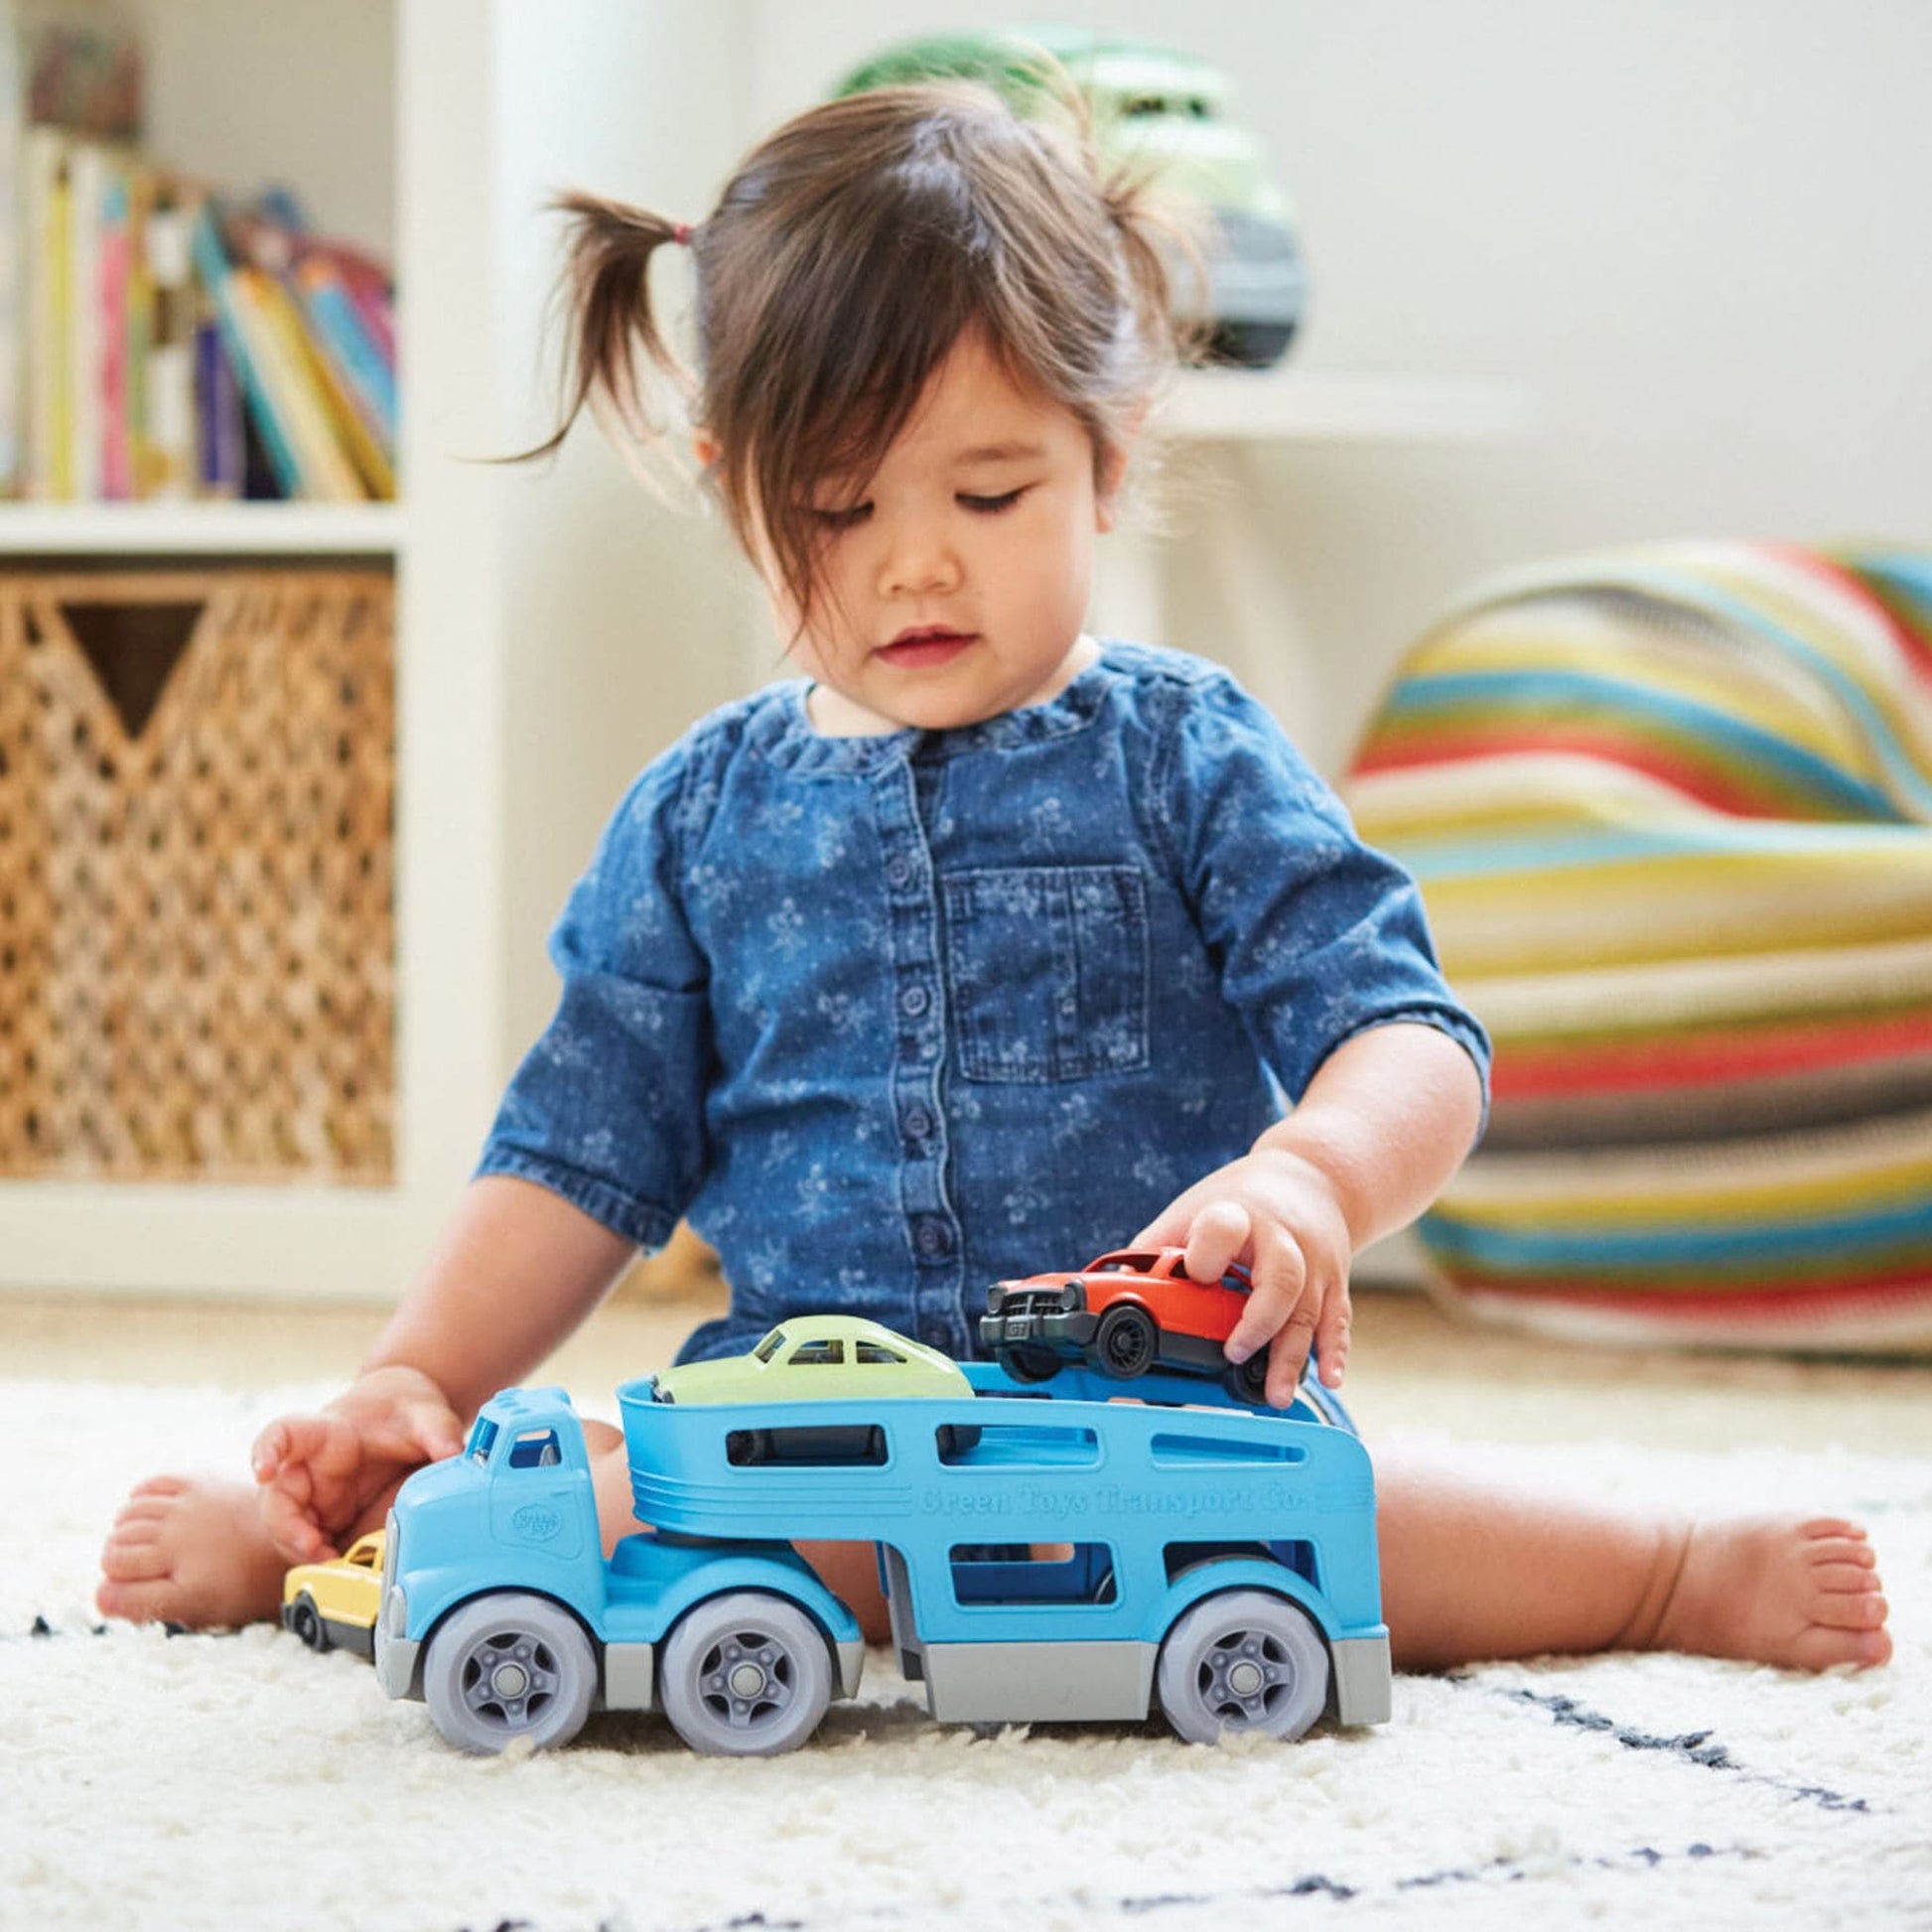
x=746 y=1675
x=1242 y=1660
x=508 y=1666
x=1126 y=1342
x=306 y=1621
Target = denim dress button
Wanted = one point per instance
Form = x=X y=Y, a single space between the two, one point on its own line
x=918 y=1123
x=931 y=1236
x=915 y=1000
x=898 y=872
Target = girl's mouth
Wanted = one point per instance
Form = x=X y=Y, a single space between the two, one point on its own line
x=921 y=650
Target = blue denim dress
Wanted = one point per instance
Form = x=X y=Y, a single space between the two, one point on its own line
x=891 y=1018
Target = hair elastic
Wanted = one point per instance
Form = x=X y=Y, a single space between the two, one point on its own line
x=681 y=235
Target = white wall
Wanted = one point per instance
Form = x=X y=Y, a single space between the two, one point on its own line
x=630 y=616
x=1693 y=228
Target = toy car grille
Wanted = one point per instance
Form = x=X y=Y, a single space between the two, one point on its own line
x=1033 y=1301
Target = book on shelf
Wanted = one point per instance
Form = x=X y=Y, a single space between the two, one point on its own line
x=160 y=329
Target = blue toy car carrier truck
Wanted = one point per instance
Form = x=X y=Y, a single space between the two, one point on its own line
x=1045 y=1555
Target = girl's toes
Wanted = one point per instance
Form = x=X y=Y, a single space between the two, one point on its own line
x=1832 y=1526
x=159 y=1487
x=125 y=1562
x=1844 y=1549
x=1837 y=1579
x=1863 y=1610
x=147 y=1602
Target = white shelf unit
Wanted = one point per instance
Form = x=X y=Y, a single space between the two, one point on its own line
x=554 y=628
x=163 y=530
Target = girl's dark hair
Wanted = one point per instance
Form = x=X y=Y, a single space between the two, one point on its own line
x=843 y=261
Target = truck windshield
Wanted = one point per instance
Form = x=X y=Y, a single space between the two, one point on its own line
x=483 y=1439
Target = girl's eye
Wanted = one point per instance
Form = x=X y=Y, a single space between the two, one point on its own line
x=991 y=505
x=835 y=519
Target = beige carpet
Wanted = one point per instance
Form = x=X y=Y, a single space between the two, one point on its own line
x=240 y=1781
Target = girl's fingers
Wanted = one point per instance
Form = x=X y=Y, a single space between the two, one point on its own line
x=437 y=1435
x=1288 y=1356
x=1219 y=1236
x=1278 y=1272
x=1331 y=1336
x=293 y=1532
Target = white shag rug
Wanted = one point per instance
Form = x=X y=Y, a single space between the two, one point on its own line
x=242 y=1782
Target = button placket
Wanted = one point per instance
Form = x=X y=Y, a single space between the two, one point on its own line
x=932 y=1230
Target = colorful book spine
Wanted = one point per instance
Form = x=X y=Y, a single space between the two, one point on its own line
x=358 y=438
x=221 y=442
x=218 y=277
x=13 y=253
x=45 y=172
x=167 y=415
x=276 y=331
x=338 y=325
x=113 y=289
x=88 y=170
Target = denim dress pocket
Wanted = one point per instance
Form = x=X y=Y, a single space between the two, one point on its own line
x=1047 y=971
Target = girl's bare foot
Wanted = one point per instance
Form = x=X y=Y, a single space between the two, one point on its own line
x=1801 y=1595
x=189 y=1549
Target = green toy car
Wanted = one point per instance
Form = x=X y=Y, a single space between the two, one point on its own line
x=1166 y=112
x=818 y=1359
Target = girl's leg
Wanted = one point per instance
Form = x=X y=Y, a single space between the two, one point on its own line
x=1474 y=1569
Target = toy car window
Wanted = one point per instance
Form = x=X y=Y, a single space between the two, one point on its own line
x=1123 y=1263
x=769 y=1346
x=873 y=1351
x=483 y=1439
x=536 y=1449
x=823 y=1353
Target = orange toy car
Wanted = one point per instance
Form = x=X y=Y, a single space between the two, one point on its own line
x=1124 y=1313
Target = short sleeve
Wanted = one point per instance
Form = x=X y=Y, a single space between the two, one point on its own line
x=606 y=1109
x=1316 y=935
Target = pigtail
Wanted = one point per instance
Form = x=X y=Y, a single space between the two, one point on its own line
x=1161 y=251
x=605 y=291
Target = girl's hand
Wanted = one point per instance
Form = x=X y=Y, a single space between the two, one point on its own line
x=322 y=1476
x=1280 y=1215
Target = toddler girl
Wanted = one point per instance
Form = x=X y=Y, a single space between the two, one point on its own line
x=982 y=947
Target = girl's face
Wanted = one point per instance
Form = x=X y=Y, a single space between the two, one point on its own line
x=953 y=585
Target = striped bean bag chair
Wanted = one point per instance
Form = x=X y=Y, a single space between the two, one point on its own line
x=1671 y=809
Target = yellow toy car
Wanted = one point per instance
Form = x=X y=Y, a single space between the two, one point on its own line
x=332 y=1605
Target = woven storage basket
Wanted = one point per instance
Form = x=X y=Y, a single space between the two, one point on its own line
x=197 y=957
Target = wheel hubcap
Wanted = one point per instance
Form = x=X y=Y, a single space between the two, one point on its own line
x=509 y=1680
x=1241 y=1676
x=747 y=1680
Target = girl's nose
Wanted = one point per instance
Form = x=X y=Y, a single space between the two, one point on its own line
x=918 y=563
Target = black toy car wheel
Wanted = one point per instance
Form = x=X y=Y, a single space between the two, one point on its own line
x=1248 y=1381
x=1029 y=1361
x=306 y=1621
x=1126 y=1342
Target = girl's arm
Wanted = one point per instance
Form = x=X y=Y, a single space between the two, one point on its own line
x=1384 y=1123
x=516 y=1270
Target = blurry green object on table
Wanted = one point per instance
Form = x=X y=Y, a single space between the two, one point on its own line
x=1162 y=112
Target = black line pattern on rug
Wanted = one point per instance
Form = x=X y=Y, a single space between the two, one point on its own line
x=1147 y=1905
x=39 y=1628
x=1692 y=1746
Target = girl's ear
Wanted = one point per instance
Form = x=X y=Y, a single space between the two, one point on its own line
x=705 y=448
x=1113 y=472
x=1111 y=475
